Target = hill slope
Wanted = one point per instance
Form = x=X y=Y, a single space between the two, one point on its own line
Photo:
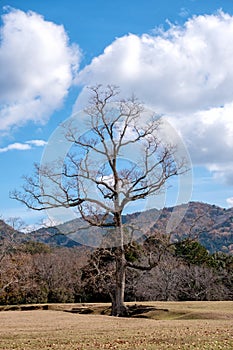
x=212 y=226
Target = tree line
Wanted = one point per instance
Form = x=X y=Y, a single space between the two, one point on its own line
x=33 y=272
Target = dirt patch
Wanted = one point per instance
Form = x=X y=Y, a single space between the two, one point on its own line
x=139 y=311
x=152 y=310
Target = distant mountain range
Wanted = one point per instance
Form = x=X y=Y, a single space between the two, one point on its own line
x=210 y=224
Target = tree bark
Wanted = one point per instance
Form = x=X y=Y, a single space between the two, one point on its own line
x=118 y=306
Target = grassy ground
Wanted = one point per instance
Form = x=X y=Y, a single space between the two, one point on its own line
x=188 y=325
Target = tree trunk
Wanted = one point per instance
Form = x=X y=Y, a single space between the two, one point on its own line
x=118 y=306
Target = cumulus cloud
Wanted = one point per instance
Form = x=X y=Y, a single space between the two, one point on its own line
x=37 y=67
x=208 y=134
x=230 y=201
x=18 y=146
x=185 y=73
x=179 y=70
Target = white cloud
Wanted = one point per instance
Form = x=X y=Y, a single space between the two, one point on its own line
x=18 y=146
x=180 y=70
x=38 y=143
x=15 y=146
x=230 y=201
x=208 y=134
x=37 y=67
x=186 y=73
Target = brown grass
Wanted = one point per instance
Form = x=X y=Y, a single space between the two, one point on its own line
x=188 y=325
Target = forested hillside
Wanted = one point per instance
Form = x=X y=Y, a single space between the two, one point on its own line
x=212 y=226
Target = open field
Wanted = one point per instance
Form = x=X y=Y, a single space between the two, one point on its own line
x=184 y=325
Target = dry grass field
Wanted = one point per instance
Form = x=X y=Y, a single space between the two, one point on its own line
x=185 y=325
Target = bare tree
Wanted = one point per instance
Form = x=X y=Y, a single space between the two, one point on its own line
x=9 y=240
x=97 y=182
x=9 y=235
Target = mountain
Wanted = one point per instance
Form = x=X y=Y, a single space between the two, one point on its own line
x=210 y=224
x=10 y=237
x=5 y=229
x=9 y=233
x=53 y=236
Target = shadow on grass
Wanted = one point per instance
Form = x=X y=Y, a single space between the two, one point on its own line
x=134 y=311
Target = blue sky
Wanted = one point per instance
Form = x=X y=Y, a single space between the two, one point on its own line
x=175 y=55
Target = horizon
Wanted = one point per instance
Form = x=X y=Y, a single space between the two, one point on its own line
x=38 y=226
